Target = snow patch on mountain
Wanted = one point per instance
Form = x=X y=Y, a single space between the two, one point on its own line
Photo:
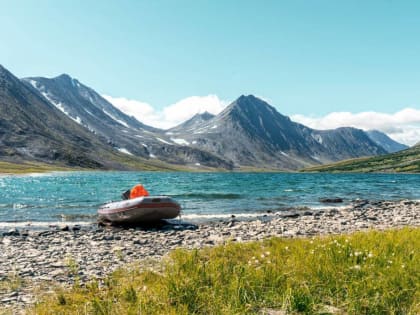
x=125 y=151
x=180 y=141
x=33 y=83
x=116 y=119
x=318 y=138
x=163 y=141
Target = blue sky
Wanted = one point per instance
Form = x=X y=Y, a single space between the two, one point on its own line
x=307 y=58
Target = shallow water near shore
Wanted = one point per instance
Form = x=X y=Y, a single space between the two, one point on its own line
x=38 y=200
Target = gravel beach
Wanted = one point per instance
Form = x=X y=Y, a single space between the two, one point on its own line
x=62 y=254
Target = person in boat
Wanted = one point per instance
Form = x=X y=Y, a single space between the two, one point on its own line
x=136 y=191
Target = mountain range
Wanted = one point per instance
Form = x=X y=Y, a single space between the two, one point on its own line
x=251 y=133
x=60 y=120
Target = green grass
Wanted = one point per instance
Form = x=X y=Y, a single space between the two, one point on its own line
x=119 y=162
x=406 y=161
x=30 y=167
x=363 y=273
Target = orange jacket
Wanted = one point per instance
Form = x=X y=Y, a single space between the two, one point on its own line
x=138 y=191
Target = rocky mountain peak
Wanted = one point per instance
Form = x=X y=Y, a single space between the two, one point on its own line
x=7 y=79
x=251 y=105
x=253 y=111
x=67 y=80
x=5 y=73
x=64 y=76
x=204 y=116
x=195 y=121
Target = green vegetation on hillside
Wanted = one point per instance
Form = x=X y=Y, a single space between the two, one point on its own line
x=117 y=162
x=363 y=273
x=407 y=161
x=29 y=167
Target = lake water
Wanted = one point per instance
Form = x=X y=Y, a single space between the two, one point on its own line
x=43 y=199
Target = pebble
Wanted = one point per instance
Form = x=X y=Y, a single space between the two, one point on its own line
x=64 y=254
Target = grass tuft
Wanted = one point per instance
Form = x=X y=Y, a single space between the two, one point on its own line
x=375 y=272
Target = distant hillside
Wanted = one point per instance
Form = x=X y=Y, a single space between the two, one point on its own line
x=385 y=142
x=403 y=161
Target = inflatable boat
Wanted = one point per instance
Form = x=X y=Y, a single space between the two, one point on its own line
x=139 y=210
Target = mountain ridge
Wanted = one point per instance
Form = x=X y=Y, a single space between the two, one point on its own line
x=251 y=132
x=389 y=144
x=124 y=133
x=248 y=134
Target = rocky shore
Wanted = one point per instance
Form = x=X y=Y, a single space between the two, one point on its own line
x=63 y=255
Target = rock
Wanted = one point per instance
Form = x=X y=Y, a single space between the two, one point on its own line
x=330 y=310
x=331 y=200
x=290 y=215
x=12 y=232
x=45 y=233
x=108 y=238
x=272 y=311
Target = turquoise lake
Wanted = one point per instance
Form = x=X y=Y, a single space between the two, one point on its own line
x=43 y=199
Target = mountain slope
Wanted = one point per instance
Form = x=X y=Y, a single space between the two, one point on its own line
x=124 y=133
x=386 y=142
x=192 y=123
x=32 y=128
x=402 y=161
x=252 y=133
x=34 y=133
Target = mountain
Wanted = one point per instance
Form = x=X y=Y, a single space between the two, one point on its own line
x=37 y=126
x=402 y=161
x=385 y=142
x=196 y=121
x=124 y=133
x=60 y=120
x=252 y=133
x=32 y=128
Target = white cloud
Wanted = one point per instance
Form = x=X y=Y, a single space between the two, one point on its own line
x=402 y=126
x=142 y=111
x=188 y=107
x=171 y=115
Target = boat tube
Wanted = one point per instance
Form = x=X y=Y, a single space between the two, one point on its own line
x=139 y=210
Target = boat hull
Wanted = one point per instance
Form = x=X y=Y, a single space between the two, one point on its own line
x=139 y=210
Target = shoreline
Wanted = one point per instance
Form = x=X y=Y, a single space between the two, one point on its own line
x=60 y=257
